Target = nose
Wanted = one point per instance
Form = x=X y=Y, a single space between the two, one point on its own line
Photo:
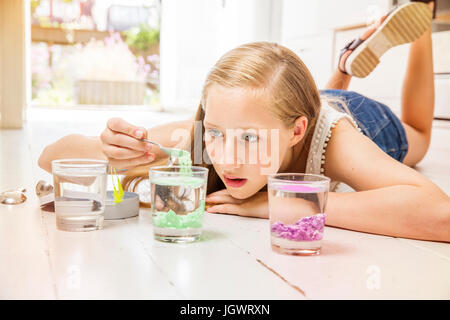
x=228 y=155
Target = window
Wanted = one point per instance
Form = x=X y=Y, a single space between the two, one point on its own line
x=94 y=52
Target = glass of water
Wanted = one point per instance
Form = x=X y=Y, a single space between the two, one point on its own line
x=177 y=195
x=297 y=205
x=80 y=193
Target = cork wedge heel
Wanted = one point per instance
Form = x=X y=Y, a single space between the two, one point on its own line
x=403 y=25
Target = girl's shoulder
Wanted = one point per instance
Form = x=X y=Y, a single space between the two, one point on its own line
x=328 y=122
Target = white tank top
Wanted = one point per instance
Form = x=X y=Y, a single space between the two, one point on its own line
x=326 y=121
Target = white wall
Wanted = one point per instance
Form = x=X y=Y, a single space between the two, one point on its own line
x=195 y=33
x=307 y=28
x=306 y=17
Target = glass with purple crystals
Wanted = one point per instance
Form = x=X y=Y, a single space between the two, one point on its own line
x=297 y=205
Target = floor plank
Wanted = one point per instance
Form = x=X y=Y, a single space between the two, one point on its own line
x=106 y=264
x=213 y=268
x=348 y=264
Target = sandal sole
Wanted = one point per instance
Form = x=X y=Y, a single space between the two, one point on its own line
x=404 y=25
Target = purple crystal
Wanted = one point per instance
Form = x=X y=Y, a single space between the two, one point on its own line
x=306 y=229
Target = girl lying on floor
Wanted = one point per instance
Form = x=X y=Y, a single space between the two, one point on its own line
x=341 y=134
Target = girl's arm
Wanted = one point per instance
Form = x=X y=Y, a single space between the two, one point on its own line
x=391 y=199
x=118 y=144
x=71 y=146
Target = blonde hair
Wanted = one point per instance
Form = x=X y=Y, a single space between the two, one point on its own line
x=270 y=68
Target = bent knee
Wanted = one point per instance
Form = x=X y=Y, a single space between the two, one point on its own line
x=418 y=145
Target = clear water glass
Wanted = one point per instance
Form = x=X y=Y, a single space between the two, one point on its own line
x=177 y=196
x=80 y=193
x=297 y=204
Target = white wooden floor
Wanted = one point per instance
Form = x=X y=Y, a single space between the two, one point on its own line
x=233 y=260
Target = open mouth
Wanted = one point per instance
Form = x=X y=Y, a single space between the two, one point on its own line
x=234 y=182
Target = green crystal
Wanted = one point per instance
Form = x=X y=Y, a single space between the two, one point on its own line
x=170 y=219
x=185 y=162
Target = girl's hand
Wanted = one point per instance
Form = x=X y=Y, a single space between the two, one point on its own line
x=255 y=206
x=121 y=146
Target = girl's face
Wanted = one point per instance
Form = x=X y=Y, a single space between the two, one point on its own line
x=243 y=139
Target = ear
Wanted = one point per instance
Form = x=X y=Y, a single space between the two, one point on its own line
x=298 y=131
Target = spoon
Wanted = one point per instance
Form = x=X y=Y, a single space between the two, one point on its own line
x=172 y=152
x=13 y=196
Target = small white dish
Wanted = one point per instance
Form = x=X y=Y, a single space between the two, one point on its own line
x=129 y=207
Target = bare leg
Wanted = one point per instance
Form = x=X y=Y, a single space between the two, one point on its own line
x=418 y=98
x=339 y=80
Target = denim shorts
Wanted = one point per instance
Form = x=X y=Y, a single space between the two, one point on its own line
x=376 y=121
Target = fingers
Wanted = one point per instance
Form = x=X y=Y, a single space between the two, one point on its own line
x=223 y=198
x=121 y=126
x=121 y=146
x=131 y=163
x=221 y=192
x=225 y=208
x=109 y=137
x=121 y=153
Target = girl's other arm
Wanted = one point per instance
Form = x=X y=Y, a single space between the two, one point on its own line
x=391 y=199
x=71 y=146
x=117 y=143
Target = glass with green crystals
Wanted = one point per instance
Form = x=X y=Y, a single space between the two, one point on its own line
x=178 y=201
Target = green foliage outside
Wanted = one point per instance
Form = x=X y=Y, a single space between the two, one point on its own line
x=142 y=39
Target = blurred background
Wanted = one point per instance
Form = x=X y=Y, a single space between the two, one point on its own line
x=95 y=52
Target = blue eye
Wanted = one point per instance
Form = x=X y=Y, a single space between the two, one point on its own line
x=250 y=137
x=214 y=132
